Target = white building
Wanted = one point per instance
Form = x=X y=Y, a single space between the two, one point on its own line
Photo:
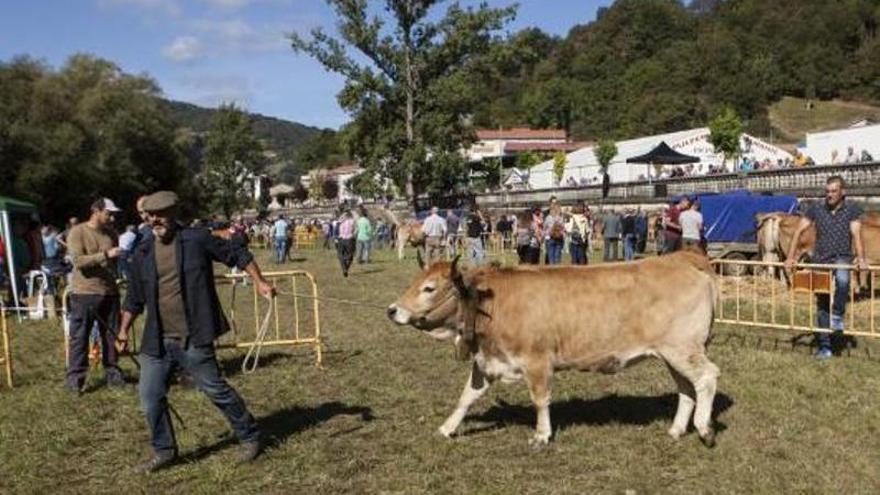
x=820 y=146
x=340 y=174
x=583 y=167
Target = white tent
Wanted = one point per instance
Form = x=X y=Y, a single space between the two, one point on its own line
x=583 y=166
x=821 y=145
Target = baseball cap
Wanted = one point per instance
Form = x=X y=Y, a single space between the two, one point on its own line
x=105 y=204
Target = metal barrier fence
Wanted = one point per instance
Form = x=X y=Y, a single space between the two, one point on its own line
x=292 y=325
x=298 y=315
x=756 y=299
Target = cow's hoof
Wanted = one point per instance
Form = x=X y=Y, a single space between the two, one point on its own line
x=445 y=432
x=675 y=433
x=708 y=438
x=539 y=441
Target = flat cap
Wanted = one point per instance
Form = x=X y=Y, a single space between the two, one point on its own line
x=160 y=200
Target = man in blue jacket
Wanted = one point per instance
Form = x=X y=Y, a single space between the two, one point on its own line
x=172 y=278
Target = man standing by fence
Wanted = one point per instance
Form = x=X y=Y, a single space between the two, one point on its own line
x=837 y=229
x=172 y=278
x=435 y=235
x=94 y=296
x=280 y=229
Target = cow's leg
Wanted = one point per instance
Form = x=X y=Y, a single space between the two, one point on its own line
x=475 y=387
x=401 y=244
x=703 y=375
x=686 y=401
x=539 y=380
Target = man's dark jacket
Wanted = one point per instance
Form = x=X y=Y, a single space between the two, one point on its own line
x=196 y=251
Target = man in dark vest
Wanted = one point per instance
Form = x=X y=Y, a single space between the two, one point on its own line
x=172 y=278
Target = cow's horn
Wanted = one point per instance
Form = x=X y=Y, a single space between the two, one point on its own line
x=421 y=260
x=456 y=277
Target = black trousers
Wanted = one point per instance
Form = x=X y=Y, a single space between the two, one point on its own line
x=85 y=311
x=345 y=252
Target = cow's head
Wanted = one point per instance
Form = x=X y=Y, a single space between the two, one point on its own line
x=431 y=302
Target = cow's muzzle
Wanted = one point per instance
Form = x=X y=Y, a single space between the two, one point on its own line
x=399 y=315
x=403 y=316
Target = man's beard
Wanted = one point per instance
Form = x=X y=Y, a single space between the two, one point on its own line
x=163 y=232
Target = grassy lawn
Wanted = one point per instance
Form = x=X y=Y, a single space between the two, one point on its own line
x=367 y=422
x=791 y=118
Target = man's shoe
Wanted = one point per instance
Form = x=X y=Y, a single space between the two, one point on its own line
x=157 y=462
x=823 y=354
x=250 y=451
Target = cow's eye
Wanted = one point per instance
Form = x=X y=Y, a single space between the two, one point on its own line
x=428 y=289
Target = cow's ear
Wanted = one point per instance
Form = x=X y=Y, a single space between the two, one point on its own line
x=420 y=260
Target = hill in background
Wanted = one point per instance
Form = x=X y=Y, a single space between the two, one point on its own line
x=280 y=136
x=791 y=119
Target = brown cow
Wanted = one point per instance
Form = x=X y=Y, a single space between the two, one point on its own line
x=409 y=233
x=516 y=325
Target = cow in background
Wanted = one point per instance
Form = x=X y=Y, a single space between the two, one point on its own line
x=409 y=234
x=513 y=325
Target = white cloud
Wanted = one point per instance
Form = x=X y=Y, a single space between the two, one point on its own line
x=169 y=7
x=227 y=4
x=238 y=35
x=183 y=49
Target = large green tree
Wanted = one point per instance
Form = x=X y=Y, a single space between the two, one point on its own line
x=407 y=84
x=233 y=157
x=84 y=131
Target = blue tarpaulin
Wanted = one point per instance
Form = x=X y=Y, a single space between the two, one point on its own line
x=730 y=217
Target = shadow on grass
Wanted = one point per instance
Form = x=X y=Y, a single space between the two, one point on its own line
x=802 y=342
x=280 y=425
x=630 y=410
x=231 y=366
x=368 y=271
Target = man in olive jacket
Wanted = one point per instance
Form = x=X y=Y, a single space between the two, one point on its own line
x=172 y=278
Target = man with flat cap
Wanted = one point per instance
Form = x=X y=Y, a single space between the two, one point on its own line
x=172 y=277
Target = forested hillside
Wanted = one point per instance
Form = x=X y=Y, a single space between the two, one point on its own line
x=648 y=66
x=281 y=136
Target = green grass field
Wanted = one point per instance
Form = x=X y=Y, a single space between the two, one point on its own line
x=790 y=117
x=367 y=422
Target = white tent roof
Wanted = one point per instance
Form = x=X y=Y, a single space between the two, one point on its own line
x=583 y=163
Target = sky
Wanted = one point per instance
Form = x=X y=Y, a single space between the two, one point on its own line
x=209 y=52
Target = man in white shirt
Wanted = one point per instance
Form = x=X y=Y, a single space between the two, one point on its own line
x=691 y=221
x=280 y=229
x=435 y=232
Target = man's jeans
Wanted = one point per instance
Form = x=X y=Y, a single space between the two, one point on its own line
x=476 y=255
x=629 y=247
x=834 y=319
x=85 y=311
x=363 y=251
x=201 y=364
x=578 y=253
x=610 y=249
x=554 y=251
x=280 y=249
